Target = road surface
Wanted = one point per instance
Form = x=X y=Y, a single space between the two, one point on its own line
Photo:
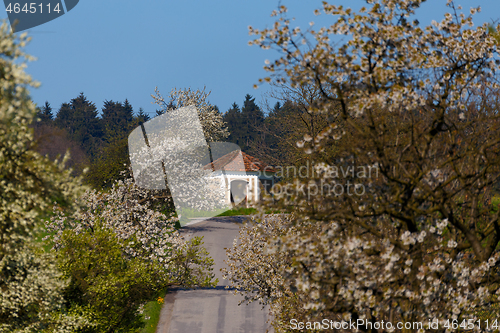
x=212 y=310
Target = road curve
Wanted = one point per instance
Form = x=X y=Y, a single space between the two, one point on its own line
x=213 y=310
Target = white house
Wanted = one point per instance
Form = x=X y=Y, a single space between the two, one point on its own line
x=245 y=177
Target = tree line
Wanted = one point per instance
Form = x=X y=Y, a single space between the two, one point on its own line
x=98 y=140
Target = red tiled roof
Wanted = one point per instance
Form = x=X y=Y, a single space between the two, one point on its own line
x=229 y=162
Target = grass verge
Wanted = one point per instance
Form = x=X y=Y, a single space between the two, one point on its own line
x=246 y=211
x=152 y=315
x=239 y=211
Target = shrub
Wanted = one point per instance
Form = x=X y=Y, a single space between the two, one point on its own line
x=118 y=253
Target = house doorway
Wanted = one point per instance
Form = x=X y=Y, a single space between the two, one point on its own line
x=238 y=191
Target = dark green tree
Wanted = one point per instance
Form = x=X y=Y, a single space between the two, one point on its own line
x=79 y=119
x=128 y=110
x=44 y=114
x=142 y=116
x=252 y=121
x=117 y=120
x=233 y=120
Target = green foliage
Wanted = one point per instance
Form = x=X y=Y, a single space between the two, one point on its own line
x=79 y=118
x=239 y=211
x=116 y=120
x=109 y=165
x=112 y=160
x=107 y=285
x=142 y=117
x=192 y=265
x=187 y=213
x=151 y=315
x=31 y=290
x=245 y=125
x=31 y=286
x=233 y=119
x=44 y=114
x=118 y=253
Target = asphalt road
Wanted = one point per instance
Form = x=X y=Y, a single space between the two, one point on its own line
x=213 y=310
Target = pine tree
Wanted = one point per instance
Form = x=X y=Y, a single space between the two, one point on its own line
x=252 y=120
x=233 y=120
x=44 y=114
x=142 y=116
x=117 y=120
x=79 y=118
x=128 y=111
x=276 y=109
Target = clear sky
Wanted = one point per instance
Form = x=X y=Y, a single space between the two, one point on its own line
x=117 y=49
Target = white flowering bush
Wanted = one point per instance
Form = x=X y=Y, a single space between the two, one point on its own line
x=143 y=232
x=308 y=271
x=253 y=268
x=417 y=240
x=258 y=271
x=31 y=285
x=118 y=253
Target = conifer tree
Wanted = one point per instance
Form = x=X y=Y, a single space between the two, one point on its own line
x=117 y=119
x=44 y=114
x=142 y=116
x=233 y=120
x=79 y=118
x=252 y=121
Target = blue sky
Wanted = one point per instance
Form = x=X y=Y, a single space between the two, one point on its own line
x=117 y=49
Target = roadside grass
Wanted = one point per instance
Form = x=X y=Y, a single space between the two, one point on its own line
x=239 y=211
x=151 y=314
x=193 y=213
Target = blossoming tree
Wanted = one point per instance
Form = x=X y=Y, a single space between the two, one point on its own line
x=31 y=285
x=417 y=240
x=119 y=252
x=210 y=117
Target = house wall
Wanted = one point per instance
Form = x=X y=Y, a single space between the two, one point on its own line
x=253 y=183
